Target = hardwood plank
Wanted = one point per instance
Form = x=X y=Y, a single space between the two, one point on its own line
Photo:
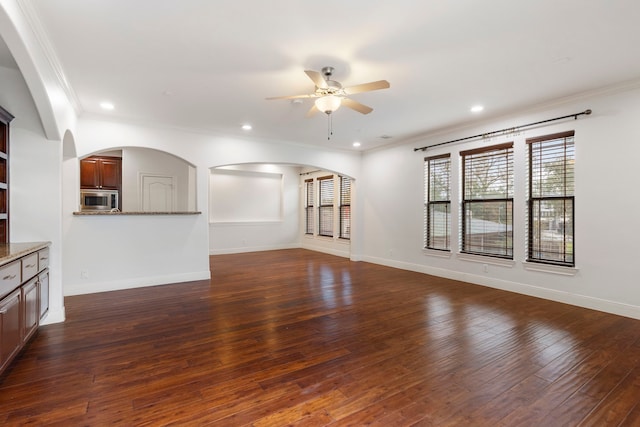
x=296 y=337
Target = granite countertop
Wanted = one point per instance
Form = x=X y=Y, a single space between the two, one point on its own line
x=102 y=213
x=12 y=251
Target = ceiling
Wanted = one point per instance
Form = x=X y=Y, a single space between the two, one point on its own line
x=209 y=65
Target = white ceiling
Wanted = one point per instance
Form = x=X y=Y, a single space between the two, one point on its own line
x=209 y=65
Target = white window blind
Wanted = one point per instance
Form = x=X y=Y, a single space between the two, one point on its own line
x=308 y=208
x=345 y=207
x=325 y=206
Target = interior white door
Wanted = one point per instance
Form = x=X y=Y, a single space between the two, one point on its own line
x=158 y=193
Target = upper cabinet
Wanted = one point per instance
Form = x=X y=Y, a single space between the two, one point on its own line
x=101 y=172
x=5 y=119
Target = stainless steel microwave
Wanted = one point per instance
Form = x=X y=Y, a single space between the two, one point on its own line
x=98 y=200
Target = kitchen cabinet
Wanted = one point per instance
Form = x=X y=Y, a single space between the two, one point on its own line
x=24 y=283
x=31 y=309
x=5 y=119
x=101 y=172
x=10 y=337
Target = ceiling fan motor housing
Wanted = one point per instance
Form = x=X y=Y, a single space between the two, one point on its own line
x=327 y=72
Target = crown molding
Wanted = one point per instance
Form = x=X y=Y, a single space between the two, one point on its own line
x=41 y=36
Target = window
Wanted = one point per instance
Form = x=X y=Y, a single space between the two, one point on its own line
x=487 y=201
x=345 y=207
x=551 y=199
x=325 y=206
x=437 y=202
x=308 y=206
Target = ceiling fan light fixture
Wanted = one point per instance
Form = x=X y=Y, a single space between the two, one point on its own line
x=328 y=104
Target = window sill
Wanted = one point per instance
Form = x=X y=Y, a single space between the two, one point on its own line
x=509 y=263
x=436 y=254
x=548 y=268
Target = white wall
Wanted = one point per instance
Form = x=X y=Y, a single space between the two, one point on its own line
x=143 y=160
x=129 y=251
x=35 y=178
x=251 y=229
x=606 y=226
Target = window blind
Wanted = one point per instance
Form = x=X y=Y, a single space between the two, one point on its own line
x=551 y=199
x=437 y=208
x=487 y=207
x=325 y=206
x=345 y=207
x=308 y=184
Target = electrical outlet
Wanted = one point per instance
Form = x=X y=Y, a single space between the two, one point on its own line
x=84 y=274
x=485 y=268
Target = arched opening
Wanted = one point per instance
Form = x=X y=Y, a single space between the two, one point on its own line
x=265 y=206
x=145 y=179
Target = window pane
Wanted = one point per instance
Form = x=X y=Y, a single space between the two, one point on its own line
x=489 y=175
x=488 y=228
x=552 y=165
x=345 y=222
x=438 y=179
x=439 y=226
x=552 y=231
x=326 y=221
x=326 y=191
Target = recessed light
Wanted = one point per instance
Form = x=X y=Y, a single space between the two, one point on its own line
x=107 y=106
x=477 y=108
x=356 y=144
x=246 y=127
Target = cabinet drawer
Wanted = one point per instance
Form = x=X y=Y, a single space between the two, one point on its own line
x=43 y=259
x=9 y=278
x=29 y=266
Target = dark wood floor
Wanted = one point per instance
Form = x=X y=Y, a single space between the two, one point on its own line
x=296 y=337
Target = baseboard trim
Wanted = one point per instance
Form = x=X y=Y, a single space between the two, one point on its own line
x=53 y=316
x=253 y=249
x=599 y=304
x=91 y=288
x=327 y=250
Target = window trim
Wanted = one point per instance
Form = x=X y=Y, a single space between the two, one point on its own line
x=428 y=243
x=320 y=205
x=531 y=200
x=507 y=146
x=309 y=208
x=343 y=205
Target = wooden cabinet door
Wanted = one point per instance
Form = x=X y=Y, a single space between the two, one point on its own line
x=110 y=174
x=31 y=306
x=43 y=278
x=89 y=173
x=10 y=336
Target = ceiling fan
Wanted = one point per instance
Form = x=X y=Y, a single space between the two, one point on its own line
x=330 y=94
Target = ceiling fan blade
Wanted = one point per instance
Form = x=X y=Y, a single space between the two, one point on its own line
x=312 y=95
x=366 y=87
x=312 y=111
x=355 y=105
x=317 y=79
